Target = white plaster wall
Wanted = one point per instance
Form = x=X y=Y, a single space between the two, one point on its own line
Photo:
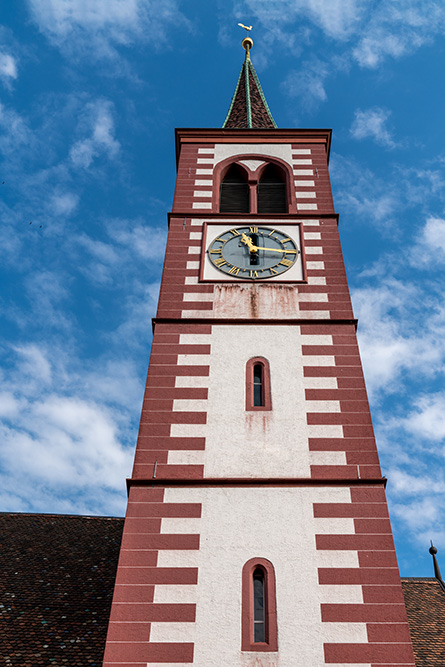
x=239 y=523
x=242 y=443
x=281 y=151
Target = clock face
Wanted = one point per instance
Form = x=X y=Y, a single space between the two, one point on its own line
x=253 y=253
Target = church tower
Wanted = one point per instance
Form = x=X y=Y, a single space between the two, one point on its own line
x=257 y=530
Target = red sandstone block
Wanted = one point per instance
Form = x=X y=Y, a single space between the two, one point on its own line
x=176 y=393
x=378 y=559
x=181 y=328
x=131 y=558
x=358 y=575
x=368 y=494
x=363 y=458
x=368 y=472
x=388 y=632
x=185 y=370
x=379 y=594
x=144 y=576
x=141 y=495
x=138 y=654
x=333 y=472
x=177 y=510
x=148 y=457
x=354 y=406
x=336 y=395
x=345 y=360
x=165 y=339
x=313 y=305
x=161 y=430
x=167 y=471
x=367 y=653
x=354 y=542
x=363 y=613
x=358 y=431
x=148 y=442
x=156 y=541
x=136 y=632
x=155 y=404
x=353 y=510
x=173 y=417
x=169 y=314
x=338 y=418
x=333 y=371
x=358 y=445
x=148 y=524
x=133 y=593
x=318 y=350
x=372 y=526
x=180 y=472
x=327 y=329
x=160 y=381
x=183 y=349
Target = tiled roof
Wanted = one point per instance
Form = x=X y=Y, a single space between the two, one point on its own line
x=249 y=108
x=425 y=606
x=56 y=585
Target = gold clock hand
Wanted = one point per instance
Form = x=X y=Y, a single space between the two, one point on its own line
x=273 y=249
x=248 y=242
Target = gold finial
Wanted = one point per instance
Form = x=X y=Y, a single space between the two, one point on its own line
x=247 y=41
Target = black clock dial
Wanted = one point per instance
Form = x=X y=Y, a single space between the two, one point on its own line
x=253 y=253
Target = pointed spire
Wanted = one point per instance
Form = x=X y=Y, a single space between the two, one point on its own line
x=248 y=108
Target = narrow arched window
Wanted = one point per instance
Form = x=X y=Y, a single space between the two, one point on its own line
x=259 y=610
x=271 y=194
x=234 y=193
x=258 y=395
x=258 y=617
x=258 y=385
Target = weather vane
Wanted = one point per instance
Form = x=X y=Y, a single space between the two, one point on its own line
x=247 y=41
x=248 y=28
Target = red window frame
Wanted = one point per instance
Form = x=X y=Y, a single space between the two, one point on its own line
x=270 y=606
x=267 y=400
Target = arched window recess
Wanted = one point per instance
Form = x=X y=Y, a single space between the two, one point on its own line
x=271 y=193
x=258 y=396
x=234 y=191
x=258 y=609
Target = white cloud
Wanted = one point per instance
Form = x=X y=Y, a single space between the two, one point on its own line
x=98 y=117
x=8 y=67
x=99 y=26
x=307 y=84
x=433 y=240
x=146 y=242
x=64 y=203
x=371 y=123
x=65 y=432
x=427 y=419
x=396 y=28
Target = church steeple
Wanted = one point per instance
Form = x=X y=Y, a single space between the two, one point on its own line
x=248 y=108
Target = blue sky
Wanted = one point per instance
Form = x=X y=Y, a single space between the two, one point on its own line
x=90 y=93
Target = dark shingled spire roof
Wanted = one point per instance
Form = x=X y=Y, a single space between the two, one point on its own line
x=248 y=107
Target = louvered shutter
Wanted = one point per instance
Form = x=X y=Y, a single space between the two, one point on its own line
x=272 y=192
x=234 y=194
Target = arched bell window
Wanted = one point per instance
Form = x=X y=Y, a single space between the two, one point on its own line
x=271 y=192
x=258 y=384
x=259 y=630
x=234 y=193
